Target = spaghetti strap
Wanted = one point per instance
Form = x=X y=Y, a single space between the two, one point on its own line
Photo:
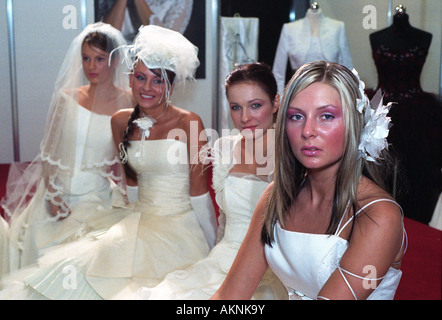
x=339 y=230
x=404 y=240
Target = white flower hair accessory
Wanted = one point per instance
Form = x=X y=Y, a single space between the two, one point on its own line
x=377 y=124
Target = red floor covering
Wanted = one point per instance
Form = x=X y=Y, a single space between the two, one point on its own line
x=421 y=266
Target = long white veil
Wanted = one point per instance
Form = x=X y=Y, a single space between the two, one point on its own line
x=61 y=149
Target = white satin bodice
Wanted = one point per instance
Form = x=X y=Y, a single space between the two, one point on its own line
x=163 y=175
x=85 y=177
x=238 y=200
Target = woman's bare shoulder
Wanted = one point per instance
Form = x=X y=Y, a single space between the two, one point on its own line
x=121 y=117
x=379 y=206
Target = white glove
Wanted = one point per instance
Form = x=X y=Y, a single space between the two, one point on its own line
x=221 y=226
x=118 y=199
x=132 y=194
x=205 y=213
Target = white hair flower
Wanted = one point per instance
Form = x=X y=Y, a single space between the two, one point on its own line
x=377 y=124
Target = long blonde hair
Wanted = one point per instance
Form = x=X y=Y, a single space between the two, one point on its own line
x=290 y=173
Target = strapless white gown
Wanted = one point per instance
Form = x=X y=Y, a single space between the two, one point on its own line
x=237 y=195
x=159 y=234
x=89 y=196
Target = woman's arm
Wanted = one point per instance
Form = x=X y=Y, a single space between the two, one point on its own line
x=143 y=11
x=200 y=198
x=115 y=16
x=374 y=245
x=196 y=139
x=250 y=263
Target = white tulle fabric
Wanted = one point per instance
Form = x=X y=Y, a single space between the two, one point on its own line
x=376 y=123
x=77 y=162
x=162 y=48
x=156 y=236
x=237 y=196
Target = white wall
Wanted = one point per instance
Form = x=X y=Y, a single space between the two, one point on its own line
x=6 y=140
x=41 y=40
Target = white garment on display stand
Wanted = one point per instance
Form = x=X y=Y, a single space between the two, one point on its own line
x=239 y=45
x=315 y=37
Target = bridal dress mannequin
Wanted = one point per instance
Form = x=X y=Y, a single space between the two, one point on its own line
x=315 y=37
x=50 y=201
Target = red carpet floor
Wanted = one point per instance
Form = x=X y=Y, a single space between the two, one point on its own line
x=421 y=266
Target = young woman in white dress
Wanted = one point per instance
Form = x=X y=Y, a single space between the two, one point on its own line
x=242 y=166
x=326 y=226
x=50 y=200
x=161 y=232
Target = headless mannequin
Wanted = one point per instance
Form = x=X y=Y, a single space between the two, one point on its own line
x=314 y=18
x=401 y=35
x=399 y=52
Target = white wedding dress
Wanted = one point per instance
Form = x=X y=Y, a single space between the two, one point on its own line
x=158 y=235
x=86 y=192
x=237 y=195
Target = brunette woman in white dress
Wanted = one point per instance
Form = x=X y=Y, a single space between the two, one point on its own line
x=173 y=220
x=50 y=201
x=242 y=167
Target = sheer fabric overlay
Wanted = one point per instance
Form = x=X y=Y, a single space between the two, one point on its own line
x=70 y=146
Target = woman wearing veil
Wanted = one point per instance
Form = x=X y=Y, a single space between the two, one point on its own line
x=61 y=195
x=165 y=230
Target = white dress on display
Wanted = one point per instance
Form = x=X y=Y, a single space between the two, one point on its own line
x=237 y=195
x=158 y=235
x=315 y=37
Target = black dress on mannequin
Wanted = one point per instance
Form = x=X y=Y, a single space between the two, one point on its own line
x=399 y=53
